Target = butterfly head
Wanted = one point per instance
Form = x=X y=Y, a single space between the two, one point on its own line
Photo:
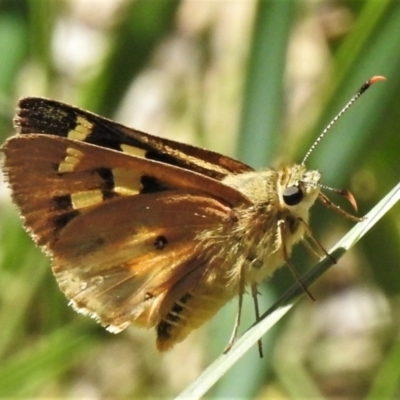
x=299 y=188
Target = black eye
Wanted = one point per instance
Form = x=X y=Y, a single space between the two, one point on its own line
x=292 y=195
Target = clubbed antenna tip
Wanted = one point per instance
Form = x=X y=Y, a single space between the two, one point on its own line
x=377 y=78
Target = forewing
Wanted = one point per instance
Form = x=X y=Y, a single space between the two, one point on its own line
x=54 y=180
x=39 y=115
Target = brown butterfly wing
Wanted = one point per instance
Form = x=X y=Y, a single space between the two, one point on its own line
x=143 y=264
x=122 y=231
x=39 y=115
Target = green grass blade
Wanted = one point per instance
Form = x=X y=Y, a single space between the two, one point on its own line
x=146 y=23
x=264 y=97
x=215 y=371
x=41 y=362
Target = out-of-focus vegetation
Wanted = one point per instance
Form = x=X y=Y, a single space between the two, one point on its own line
x=258 y=80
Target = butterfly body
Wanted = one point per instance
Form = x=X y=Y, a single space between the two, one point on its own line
x=145 y=230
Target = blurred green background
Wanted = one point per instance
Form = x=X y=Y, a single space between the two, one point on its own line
x=253 y=79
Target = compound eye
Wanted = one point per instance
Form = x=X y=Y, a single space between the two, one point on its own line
x=292 y=195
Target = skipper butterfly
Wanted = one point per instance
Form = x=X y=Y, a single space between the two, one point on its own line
x=146 y=230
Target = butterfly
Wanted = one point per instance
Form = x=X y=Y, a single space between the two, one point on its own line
x=147 y=231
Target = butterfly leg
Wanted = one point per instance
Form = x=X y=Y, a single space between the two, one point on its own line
x=254 y=293
x=315 y=242
x=238 y=314
x=281 y=227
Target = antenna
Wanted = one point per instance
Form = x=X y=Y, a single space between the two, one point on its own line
x=360 y=91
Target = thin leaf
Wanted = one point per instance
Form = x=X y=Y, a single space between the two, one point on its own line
x=263 y=98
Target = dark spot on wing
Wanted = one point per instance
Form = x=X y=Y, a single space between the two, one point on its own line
x=160 y=242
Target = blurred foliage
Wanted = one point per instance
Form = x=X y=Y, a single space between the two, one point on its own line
x=259 y=79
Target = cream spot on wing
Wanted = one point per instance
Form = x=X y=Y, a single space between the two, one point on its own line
x=82 y=130
x=126 y=182
x=71 y=160
x=133 y=151
x=196 y=161
x=86 y=198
